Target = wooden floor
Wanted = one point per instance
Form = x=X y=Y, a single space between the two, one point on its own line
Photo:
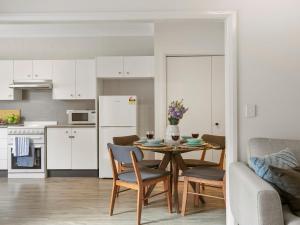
x=85 y=201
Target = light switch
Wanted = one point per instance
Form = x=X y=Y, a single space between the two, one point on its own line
x=250 y=110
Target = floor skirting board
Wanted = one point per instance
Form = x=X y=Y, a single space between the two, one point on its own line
x=72 y=173
x=3 y=173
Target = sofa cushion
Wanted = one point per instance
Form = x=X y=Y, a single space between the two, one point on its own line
x=288 y=181
x=284 y=159
x=259 y=147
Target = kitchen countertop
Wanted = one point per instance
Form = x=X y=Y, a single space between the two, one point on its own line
x=71 y=126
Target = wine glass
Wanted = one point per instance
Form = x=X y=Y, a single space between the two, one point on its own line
x=175 y=138
x=150 y=135
x=195 y=134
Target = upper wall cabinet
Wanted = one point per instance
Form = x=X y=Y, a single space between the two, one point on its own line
x=63 y=79
x=42 y=69
x=74 y=79
x=6 y=74
x=85 y=79
x=125 y=66
x=110 y=66
x=33 y=69
x=138 y=66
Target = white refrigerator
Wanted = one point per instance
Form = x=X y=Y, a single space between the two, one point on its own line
x=117 y=117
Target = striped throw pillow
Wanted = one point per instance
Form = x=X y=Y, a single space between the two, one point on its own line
x=284 y=159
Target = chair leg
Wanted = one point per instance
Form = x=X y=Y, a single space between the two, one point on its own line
x=224 y=190
x=145 y=202
x=196 y=197
x=118 y=190
x=113 y=198
x=167 y=185
x=140 y=200
x=184 y=196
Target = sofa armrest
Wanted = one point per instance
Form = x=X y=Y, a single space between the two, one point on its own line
x=253 y=201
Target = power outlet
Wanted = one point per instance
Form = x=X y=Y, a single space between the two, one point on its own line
x=250 y=111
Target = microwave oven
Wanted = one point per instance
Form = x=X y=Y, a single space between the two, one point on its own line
x=81 y=116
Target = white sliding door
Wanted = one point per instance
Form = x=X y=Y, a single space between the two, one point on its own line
x=189 y=78
x=218 y=100
x=200 y=81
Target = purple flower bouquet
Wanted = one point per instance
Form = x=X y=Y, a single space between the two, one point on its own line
x=176 y=111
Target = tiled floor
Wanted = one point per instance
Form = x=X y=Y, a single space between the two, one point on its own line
x=85 y=201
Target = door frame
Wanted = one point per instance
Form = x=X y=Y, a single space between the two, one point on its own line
x=230 y=21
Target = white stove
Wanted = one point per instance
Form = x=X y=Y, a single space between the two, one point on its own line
x=35 y=131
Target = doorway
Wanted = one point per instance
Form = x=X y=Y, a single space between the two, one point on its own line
x=200 y=82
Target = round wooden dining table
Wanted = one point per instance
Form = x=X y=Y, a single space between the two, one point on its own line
x=172 y=156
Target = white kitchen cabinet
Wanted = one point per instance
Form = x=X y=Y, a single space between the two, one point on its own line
x=84 y=148
x=74 y=79
x=6 y=74
x=64 y=79
x=59 y=148
x=110 y=66
x=138 y=66
x=85 y=79
x=23 y=70
x=71 y=148
x=33 y=69
x=42 y=69
x=125 y=66
x=3 y=148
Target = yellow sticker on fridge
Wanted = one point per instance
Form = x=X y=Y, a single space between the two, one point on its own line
x=132 y=100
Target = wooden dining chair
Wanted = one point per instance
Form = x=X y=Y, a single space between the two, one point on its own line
x=213 y=140
x=209 y=176
x=138 y=178
x=129 y=141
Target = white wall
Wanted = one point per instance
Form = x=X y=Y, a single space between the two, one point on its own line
x=268 y=54
x=73 y=47
x=181 y=38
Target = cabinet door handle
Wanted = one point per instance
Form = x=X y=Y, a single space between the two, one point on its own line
x=71 y=95
x=127 y=73
x=120 y=72
x=67 y=132
x=72 y=136
x=217 y=124
x=28 y=75
x=78 y=95
x=36 y=75
x=74 y=131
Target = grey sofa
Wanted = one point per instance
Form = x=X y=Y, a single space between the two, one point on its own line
x=254 y=201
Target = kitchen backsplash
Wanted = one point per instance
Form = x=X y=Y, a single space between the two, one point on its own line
x=39 y=105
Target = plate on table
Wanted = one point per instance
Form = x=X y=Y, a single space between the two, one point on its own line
x=154 y=144
x=193 y=145
x=141 y=141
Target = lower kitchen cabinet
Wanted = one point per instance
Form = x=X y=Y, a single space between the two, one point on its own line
x=71 y=148
x=3 y=148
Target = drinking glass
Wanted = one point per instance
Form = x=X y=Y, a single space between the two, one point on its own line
x=150 y=135
x=175 y=138
x=195 y=134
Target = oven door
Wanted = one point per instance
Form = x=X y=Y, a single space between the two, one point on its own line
x=36 y=164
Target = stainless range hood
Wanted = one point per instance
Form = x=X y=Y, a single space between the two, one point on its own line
x=31 y=84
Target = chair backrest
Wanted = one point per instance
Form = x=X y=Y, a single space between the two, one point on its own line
x=122 y=153
x=215 y=140
x=125 y=154
x=125 y=140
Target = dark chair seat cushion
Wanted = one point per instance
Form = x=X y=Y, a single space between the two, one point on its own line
x=197 y=162
x=208 y=173
x=146 y=174
x=144 y=163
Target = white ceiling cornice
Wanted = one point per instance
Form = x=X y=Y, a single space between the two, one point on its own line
x=109 y=16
